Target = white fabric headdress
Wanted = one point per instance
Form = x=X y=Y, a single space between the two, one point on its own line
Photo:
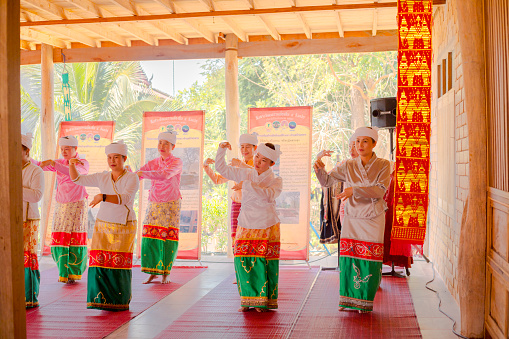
x=68 y=141
x=117 y=147
x=251 y=139
x=266 y=151
x=371 y=132
x=171 y=137
x=351 y=140
x=26 y=140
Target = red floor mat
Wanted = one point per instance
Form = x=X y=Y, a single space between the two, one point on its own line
x=63 y=310
x=216 y=315
x=393 y=315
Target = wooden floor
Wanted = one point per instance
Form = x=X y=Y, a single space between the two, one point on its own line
x=150 y=323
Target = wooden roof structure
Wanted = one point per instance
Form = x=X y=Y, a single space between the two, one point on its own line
x=93 y=30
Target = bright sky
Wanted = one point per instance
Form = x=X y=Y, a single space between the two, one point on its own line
x=186 y=73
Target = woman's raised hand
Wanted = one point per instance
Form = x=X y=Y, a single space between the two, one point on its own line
x=225 y=144
x=324 y=153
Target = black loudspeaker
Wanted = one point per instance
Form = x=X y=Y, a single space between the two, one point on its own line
x=383 y=112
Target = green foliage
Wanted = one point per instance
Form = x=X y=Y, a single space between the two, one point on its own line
x=215 y=220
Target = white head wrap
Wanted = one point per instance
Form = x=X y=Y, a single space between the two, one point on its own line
x=251 y=139
x=117 y=147
x=26 y=140
x=266 y=151
x=171 y=137
x=68 y=141
x=371 y=132
x=351 y=140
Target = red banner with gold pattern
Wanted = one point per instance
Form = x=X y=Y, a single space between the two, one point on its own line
x=413 y=123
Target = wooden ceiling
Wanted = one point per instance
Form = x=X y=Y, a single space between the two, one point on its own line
x=106 y=23
x=101 y=30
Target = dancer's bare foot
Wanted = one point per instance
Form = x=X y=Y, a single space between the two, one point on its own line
x=166 y=280
x=261 y=310
x=71 y=281
x=362 y=312
x=341 y=309
x=149 y=280
x=243 y=309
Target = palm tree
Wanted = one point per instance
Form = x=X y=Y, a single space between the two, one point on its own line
x=117 y=91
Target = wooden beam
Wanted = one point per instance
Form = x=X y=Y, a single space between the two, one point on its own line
x=12 y=291
x=209 y=4
x=195 y=24
x=349 y=44
x=194 y=15
x=75 y=36
x=47 y=125
x=168 y=4
x=339 y=24
x=167 y=30
x=270 y=28
x=235 y=29
x=24 y=44
x=137 y=32
x=107 y=34
x=231 y=79
x=47 y=7
x=471 y=267
x=305 y=26
x=127 y=5
x=375 y=21
x=250 y=4
x=41 y=37
x=87 y=6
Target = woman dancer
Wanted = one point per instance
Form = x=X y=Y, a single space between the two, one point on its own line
x=33 y=186
x=160 y=240
x=362 y=234
x=248 y=144
x=69 y=232
x=257 y=241
x=111 y=252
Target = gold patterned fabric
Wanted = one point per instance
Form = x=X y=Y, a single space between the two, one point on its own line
x=159 y=244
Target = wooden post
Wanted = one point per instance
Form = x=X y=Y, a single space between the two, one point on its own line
x=12 y=281
x=472 y=248
x=232 y=107
x=47 y=132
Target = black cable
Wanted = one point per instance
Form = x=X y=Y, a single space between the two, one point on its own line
x=440 y=300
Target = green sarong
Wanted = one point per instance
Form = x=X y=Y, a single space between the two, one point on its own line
x=110 y=266
x=360 y=274
x=69 y=239
x=257 y=266
x=31 y=263
x=159 y=244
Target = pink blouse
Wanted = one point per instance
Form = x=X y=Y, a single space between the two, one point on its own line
x=67 y=191
x=165 y=176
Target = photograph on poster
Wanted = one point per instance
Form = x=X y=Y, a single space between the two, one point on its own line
x=190 y=156
x=188 y=221
x=287 y=207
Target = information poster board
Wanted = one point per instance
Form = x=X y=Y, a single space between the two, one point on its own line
x=190 y=128
x=291 y=128
x=93 y=137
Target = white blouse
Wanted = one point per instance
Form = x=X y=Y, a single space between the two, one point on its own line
x=259 y=193
x=33 y=187
x=369 y=184
x=124 y=188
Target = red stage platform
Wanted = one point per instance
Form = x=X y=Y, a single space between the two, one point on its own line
x=63 y=309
